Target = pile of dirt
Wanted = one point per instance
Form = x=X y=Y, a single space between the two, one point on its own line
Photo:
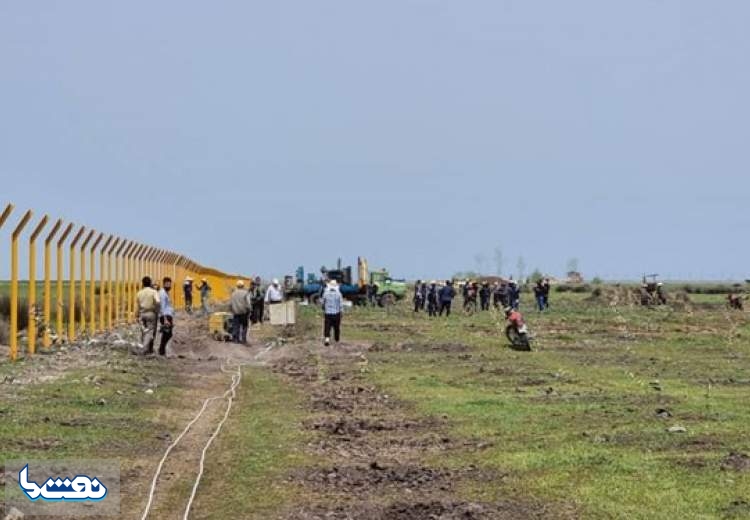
x=351 y=478
x=419 y=347
x=621 y=296
x=736 y=462
x=429 y=509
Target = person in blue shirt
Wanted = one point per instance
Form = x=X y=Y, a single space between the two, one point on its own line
x=446 y=295
x=166 y=315
x=333 y=305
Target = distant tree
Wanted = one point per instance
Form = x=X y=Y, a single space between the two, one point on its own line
x=498 y=256
x=521 y=266
x=480 y=259
x=596 y=280
x=573 y=265
x=536 y=275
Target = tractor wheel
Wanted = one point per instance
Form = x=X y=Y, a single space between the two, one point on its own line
x=387 y=299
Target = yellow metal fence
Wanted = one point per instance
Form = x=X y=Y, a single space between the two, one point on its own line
x=96 y=300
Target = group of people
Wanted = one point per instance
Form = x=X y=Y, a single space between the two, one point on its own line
x=248 y=304
x=205 y=291
x=437 y=299
x=155 y=306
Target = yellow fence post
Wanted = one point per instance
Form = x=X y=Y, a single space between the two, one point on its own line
x=14 y=284
x=92 y=284
x=60 y=304
x=122 y=256
x=32 y=327
x=72 y=286
x=6 y=213
x=84 y=296
x=48 y=283
x=106 y=321
x=103 y=282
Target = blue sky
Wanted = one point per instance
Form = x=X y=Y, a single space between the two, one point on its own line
x=257 y=136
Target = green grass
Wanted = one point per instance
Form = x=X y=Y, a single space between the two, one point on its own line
x=65 y=417
x=260 y=444
x=575 y=420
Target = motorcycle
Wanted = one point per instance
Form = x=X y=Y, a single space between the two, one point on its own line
x=516 y=331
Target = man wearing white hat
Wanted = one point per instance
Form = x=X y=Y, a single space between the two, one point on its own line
x=239 y=302
x=187 y=290
x=333 y=305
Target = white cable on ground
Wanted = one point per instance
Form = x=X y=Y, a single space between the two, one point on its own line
x=236 y=378
x=231 y=394
x=169 y=450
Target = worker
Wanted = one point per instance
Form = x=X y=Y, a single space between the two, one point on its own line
x=187 y=291
x=539 y=294
x=372 y=294
x=418 y=296
x=256 y=298
x=240 y=303
x=205 y=291
x=166 y=315
x=432 y=299
x=274 y=294
x=446 y=295
x=423 y=289
x=147 y=301
x=484 y=296
x=333 y=306
x=661 y=295
x=514 y=294
x=546 y=289
x=735 y=301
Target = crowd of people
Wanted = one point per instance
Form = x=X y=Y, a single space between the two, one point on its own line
x=437 y=299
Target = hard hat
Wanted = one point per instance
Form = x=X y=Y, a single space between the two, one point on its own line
x=240 y=283
x=333 y=283
x=276 y=281
x=188 y=279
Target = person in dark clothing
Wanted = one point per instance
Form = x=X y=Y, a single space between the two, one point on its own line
x=545 y=290
x=539 y=295
x=187 y=290
x=447 y=293
x=423 y=290
x=372 y=294
x=484 y=296
x=418 y=296
x=514 y=294
x=256 y=301
x=497 y=296
x=432 y=299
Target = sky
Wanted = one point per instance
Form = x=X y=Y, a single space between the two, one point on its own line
x=424 y=135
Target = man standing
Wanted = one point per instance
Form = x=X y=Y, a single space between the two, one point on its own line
x=484 y=296
x=432 y=299
x=514 y=294
x=166 y=315
x=205 y=291
x=332 y=308
x=147 y=301
x=418 y=296
x=240 y=305
x=187 y=290
x=256 y=298
x=539 y=294
x=447 y=293
x=274 y=294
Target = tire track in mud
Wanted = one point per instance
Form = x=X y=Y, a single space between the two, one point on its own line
x=372 y=451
